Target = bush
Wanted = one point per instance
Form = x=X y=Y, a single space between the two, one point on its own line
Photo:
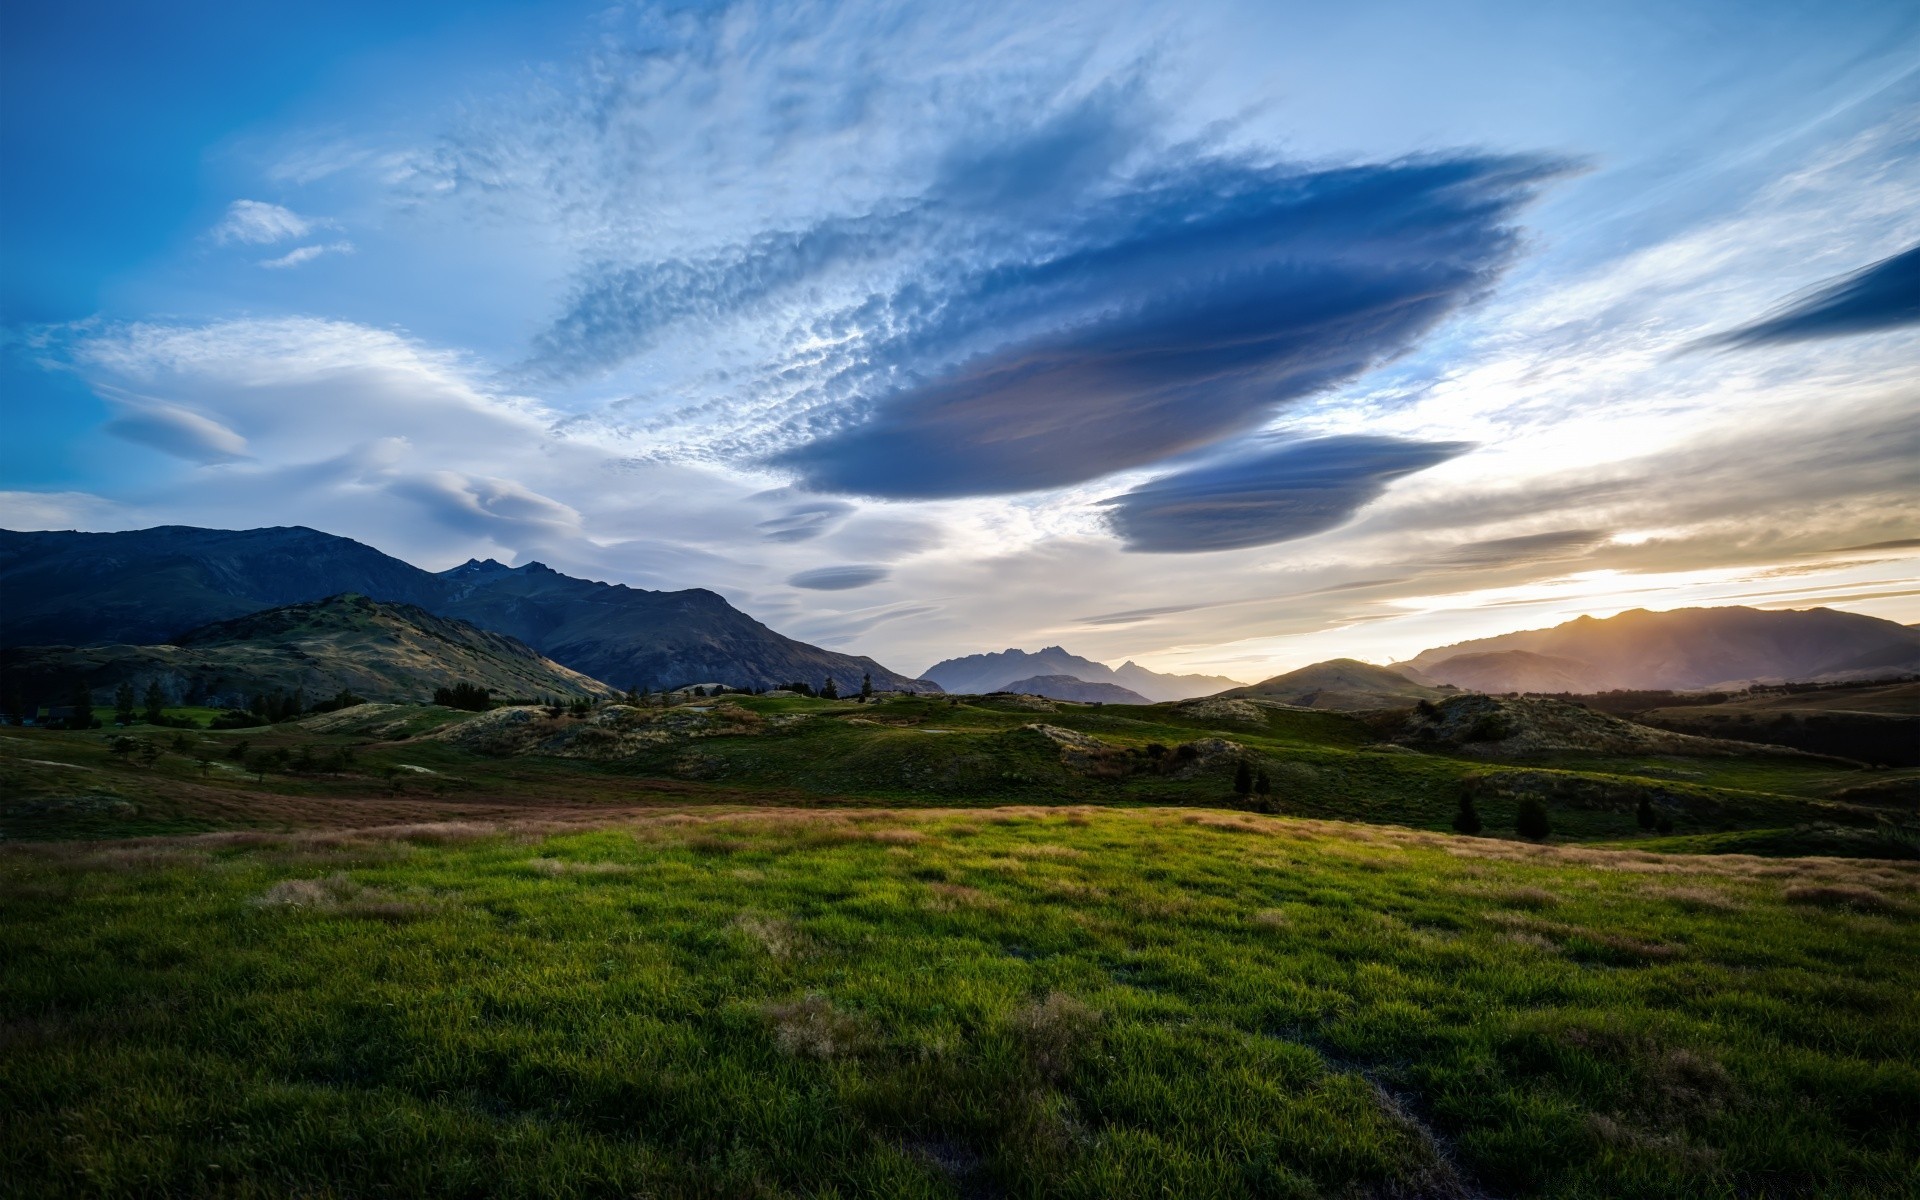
x=236 y=718
x=1531 y=821
x=1645 y=814
x=1467 y=820
x=1242 y=778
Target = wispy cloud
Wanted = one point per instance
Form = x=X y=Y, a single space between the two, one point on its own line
x=306 y=254
x=257 y=223
x=1885 y=295
x=837 y=579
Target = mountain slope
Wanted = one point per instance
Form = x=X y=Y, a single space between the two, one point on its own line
x=1340 y=683
x=1694 y=648
x=143 y=587
x=1511 y=671
x=977 y=674
x=1066 y=687
x=378 y=651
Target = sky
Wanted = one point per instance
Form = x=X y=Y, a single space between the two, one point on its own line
x=1220 y=336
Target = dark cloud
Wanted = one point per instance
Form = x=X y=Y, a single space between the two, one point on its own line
x=803 y=522
x=838 y=579
x=1532 y=547
x=1283 y=491
x=1173 y=315
x=1895 y=544
x=1885 y=295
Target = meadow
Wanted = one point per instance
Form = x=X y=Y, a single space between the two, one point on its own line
x=527 y=976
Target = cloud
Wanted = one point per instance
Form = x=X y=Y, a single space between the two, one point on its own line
x=1532 y=547
x=258 y=223
x=1885 y=295
x=306 y=254
x=179 y=432
x=838 y=579
x=487 y=505
x=1185 y=309
x=1281 y=492
x=803 y=522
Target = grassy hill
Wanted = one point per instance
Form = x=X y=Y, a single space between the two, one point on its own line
x=381 y=651
x=1341 y=683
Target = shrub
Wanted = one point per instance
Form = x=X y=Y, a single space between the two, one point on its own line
x=1242 y=778
x=1645 y=814
x=1531 y=821
x=1467 y=820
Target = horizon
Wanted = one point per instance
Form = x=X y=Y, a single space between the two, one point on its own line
x=1226 y=344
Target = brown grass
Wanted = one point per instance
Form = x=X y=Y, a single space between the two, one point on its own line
x=1840 y=895
x=1053 y=1028
x=811 y=1027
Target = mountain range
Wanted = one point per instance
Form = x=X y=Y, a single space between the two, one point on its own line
x=377 y=651
x=1067 y=687
x=1683 y=649
x=145 y=587
x=977 y=674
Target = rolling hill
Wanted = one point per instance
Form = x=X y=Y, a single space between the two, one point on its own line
x=1341 y=683
x=978 y=674
x=1687 y=648
x=143 y=587
x=347 y=642
x=1066 y=687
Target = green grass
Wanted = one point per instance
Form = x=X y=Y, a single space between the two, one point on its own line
x=1021 y=1002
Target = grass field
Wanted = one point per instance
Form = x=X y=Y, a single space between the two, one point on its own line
x=1000 y=1002
x=918 y=949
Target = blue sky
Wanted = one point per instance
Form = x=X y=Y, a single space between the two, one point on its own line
x=1219 y=336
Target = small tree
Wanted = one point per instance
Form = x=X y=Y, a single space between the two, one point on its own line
x=238 y=751
x=82 y=704
x=156 y=704
x=829 y=690
x=1531 y=821
x=1646 y=814
x=258 y=764
x=1243 y=777
x=1262 y=785
x=1664 y=824
x=149 y=753
x=866 y=687
x=204 y=761
x=122 y=746
x=1467 y=820
x=123 y=704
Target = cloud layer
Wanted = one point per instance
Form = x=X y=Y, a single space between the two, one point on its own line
x=1885 y=295
x=1276 y=494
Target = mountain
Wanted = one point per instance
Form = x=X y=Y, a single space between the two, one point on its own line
x=1686 y=648
x=1509 y=671
x=1340 y=683
x=143 y=587
x=1066 y=687
x=977 y=674
x=377 y=651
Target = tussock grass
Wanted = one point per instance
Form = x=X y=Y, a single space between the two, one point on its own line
x=1028 y=1002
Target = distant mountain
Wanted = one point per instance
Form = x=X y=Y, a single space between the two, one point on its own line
x=977 y=674
x=1341 y=683
x=1066 y=687
x=377 y=651
x=1683 y=649
x=1508 y=671
x=143 y=587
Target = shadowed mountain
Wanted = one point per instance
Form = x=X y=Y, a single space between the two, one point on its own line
x=144 y=586
x=377 y=651
x=978 y=674
x=1340 y=683
x=1683 y=649
x=1066 y=687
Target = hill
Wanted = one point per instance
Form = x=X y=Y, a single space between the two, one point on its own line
x=1879 y=725
x=348 y=642
x=1066 y=687
x=143 y=587
x=1681 y=649
x=978 y=674
x=1340 y=683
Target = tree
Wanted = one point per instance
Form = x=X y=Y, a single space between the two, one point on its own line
x=1646 y=814
x=156 y=704
x=1262 y=785
x=150 y=753
x=258 y=764
x=181 y=744
x=238 y=751
x=866 y=687
x=82 y=704
x=1243 y=777
x=122 y=746
x=123 y=704
x=468 y=696
x=1531 y=821
x=1467 y=820
x=1665 y=824
x=205 y=762
x=829 y=690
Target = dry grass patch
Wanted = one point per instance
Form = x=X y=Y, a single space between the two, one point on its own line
x=946 y=897
x=339 y=894
x=1272 y=918
x=558 y=866
x=1053 y=1028
x=1840 y=895
x=776 y=935
x=1697 y=899
x=811 y=1027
